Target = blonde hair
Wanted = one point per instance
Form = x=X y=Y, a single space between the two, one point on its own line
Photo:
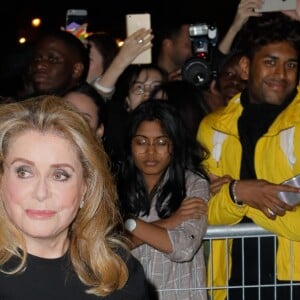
x=94 y=235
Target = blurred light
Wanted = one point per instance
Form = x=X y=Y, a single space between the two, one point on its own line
x=36 y=22
x=22 y=40
x=119 y=42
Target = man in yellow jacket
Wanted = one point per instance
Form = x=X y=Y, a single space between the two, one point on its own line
x=254 y=145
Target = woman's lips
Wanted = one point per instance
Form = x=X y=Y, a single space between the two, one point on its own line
x=40 y=214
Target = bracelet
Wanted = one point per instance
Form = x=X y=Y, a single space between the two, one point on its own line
x=232 y=188
x=102 y=88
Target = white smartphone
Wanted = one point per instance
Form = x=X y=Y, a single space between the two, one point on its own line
x=133 y=23
x=277 y=5
x=290 y=197
x=77 y=22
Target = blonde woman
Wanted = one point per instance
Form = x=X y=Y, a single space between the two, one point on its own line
x=59 y=221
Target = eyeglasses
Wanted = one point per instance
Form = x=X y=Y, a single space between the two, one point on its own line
x=140 y=144
x=139 y=88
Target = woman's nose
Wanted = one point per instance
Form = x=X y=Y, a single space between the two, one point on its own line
x=41 y=189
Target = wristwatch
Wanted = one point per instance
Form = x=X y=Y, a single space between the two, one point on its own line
x=130 y=224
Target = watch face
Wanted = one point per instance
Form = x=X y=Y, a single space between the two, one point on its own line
x=130 y=225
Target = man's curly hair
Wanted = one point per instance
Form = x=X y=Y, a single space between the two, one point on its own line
x=271 y=27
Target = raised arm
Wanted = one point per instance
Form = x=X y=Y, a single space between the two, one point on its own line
x=128 y=52
x=244 y=11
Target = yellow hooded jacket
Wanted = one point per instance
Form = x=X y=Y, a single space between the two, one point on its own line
x=277 y=158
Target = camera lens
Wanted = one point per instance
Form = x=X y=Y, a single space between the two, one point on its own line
x=196 y=71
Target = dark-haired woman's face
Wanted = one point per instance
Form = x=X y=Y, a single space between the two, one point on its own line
x=142 y=87
x=151 y=150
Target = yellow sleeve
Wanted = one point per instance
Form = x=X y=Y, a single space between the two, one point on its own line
x=287 y=226
x=205 y=138
x=223 y=211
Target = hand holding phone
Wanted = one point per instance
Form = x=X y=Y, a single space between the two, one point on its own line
x=291 y=198
x=135 y=22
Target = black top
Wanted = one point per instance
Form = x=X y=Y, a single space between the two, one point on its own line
x=54 y=279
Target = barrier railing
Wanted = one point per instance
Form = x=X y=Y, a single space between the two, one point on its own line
x=228 y=233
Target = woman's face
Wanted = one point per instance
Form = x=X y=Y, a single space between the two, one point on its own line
x=85 y=105
x=42 y=186
x=142 y=87
x=151 y=150
x=88 y=108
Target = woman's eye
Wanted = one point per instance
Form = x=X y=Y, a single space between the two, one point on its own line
x=162 y=142
x=61 y=175
x=23 y=172
x=141 y=141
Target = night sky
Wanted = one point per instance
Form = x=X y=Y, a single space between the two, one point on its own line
x=111 y=15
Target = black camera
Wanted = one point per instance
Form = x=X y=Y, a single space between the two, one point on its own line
x=200 y=69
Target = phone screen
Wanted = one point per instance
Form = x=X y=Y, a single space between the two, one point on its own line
x=277 y=5
x=133 y=23
x=77 y=22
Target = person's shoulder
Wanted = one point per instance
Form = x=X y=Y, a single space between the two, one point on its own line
x=193 y=177
x=233 y=107
x=211 y=117
x=196 y=185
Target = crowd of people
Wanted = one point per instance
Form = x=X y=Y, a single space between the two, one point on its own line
x=111 y=172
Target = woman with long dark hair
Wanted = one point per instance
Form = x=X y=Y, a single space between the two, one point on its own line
x=163 y=189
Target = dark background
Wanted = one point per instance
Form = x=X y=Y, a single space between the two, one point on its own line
x=109 y=15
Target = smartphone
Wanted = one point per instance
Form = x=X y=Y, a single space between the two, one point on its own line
x=277 y=5
x=290 y=197
x=133 y=23
x=77 y=22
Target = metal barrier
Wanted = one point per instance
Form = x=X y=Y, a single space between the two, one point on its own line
x=262 y=290
x=227 y=234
